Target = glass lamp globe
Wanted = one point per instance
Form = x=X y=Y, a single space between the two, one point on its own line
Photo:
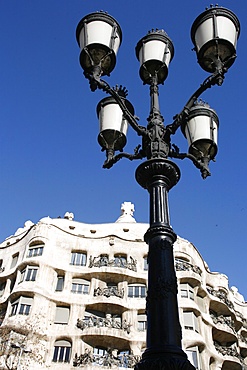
x=99 y=37
x=154 y=52
x=214 y=34
x=112 y=124
x=201 y=131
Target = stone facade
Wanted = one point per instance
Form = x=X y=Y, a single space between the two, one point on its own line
x=73 y=295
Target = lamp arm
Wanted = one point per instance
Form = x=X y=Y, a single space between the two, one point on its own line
x=132 y=120
x=201 y=165
x=214 y=79
x=96 y=82
x=138 y=154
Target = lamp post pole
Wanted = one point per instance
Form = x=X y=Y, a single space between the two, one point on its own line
x=214 y=34
x=163 y=351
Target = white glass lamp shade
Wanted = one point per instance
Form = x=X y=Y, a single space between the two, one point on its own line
x=154 y=52
x=214 y=34
x=99 y=37
x=112 y=125
x=201 y=131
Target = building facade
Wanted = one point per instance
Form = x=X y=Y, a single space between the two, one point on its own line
x=73 y=295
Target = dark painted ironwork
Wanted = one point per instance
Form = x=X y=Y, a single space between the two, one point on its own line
x=158 y=175
x=104 y=261
x=156 y=137
x=107 y=360
x=220 y=295
x=164 y=334
x=181 y=265
x=111 y=291
x=110 y=321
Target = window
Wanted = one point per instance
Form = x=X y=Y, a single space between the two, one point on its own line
x=35 y=249
x=123 y=357
x=100 y=351
x=145 y=263
x=12 y=284
x=141 y=322
x=62 y=351
x=21 y=306
x=60 y=283
x=14 y=260
x=193 y=357
x=120 y=260
x=78 y=259
x=190 y=321
x=2 y=288
x=28 y=274
x=136 y=291
x=62 y=315
x=186 y=291
x=80 y=286
x=2 y=315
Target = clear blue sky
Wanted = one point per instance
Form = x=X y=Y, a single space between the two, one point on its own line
x=50 y=161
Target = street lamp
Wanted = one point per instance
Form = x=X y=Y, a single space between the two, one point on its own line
x=214 y=34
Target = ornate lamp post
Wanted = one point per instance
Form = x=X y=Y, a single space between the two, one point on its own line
x=214 y=34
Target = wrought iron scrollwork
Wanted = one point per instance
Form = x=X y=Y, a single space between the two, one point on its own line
x=104 y=261
x=110 y=321
x=225 y=320
x=220 y=295
x=108 y=360
x=109 y=292
x=181 y=265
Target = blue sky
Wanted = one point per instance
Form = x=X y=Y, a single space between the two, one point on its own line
x=50 y=161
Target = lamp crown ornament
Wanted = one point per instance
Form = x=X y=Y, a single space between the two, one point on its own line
x=121 y=91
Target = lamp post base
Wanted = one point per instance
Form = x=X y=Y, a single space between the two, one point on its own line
x=166 y=358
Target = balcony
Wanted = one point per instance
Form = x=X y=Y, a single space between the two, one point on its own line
x=107 y=360
x=110 y=321
x=111 y=291
x=220 y=302
x=224 y=321
x=193 y=272
x=104 y=261
x=229 y=351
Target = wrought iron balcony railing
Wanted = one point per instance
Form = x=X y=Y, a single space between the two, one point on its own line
x=109 y=292
x=182 y=265
x=107 y=360
x=221 y=319
x=220 y=295
x=104 y=261
x=103 y=322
